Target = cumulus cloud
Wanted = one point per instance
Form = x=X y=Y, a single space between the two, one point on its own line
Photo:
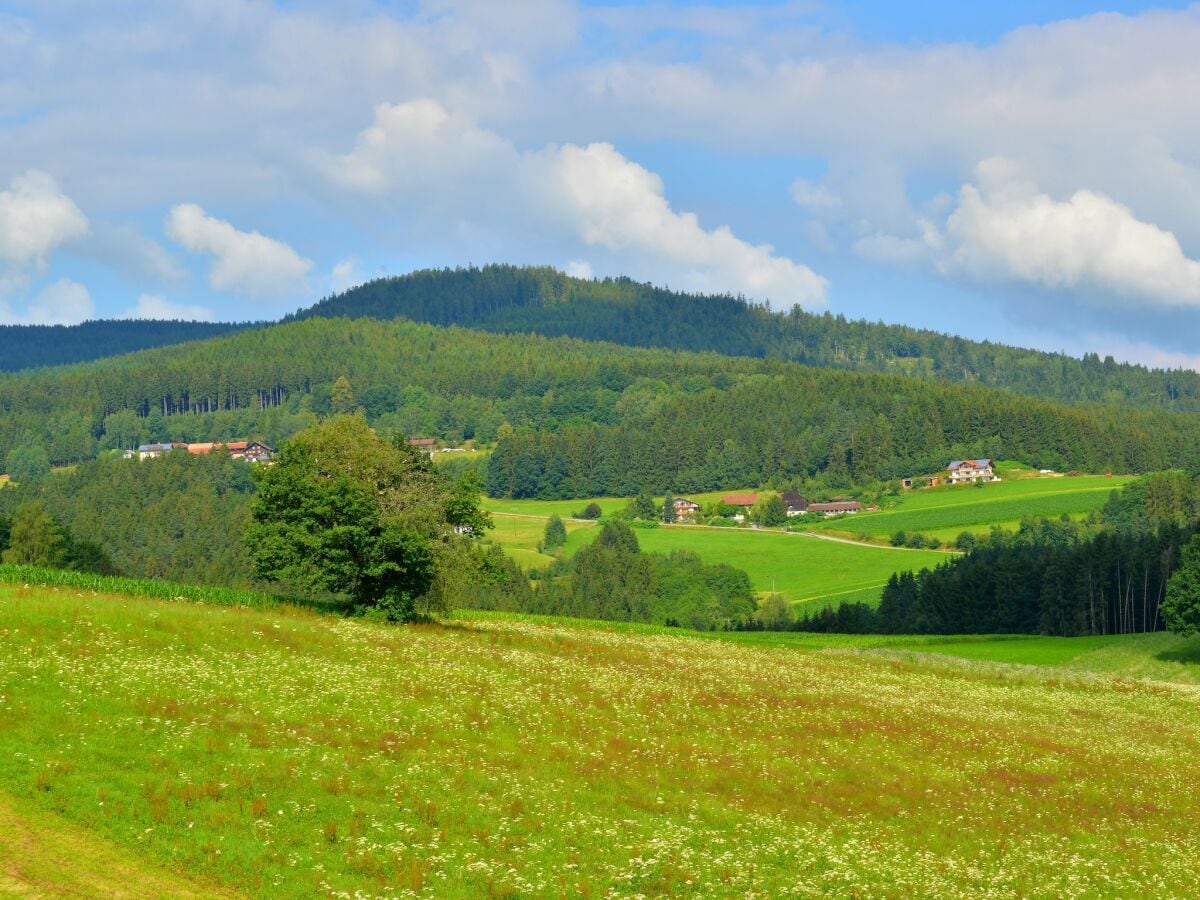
x=131 y=253
x=420 y=155
x=62 y=302
x=580 y=268
x=35 y=218
x=344 y=276
x=156 y=306
x=245 y=262
x=614 y=203
x=1003 y=227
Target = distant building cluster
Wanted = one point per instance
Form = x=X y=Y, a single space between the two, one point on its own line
x=251 y=451
x=795 y=504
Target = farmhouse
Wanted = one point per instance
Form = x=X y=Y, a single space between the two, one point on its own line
x=746 y=500
x=795 y=504
x=685 y=508
x=150 y=451
x=836 y=508
x=973 y=470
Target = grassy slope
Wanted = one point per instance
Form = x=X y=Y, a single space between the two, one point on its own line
x=285 y=754
x=805 y=569
x=945 y=511
x=41 y=855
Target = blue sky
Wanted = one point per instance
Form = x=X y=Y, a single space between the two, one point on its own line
x=1024 y=172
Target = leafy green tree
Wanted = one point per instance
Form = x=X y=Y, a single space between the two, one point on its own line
x=668 y=509
x=341 y=397
x=591 y=511
x=28 y=462
x=643 y=507
x=35 y=539
x=1181 y=609
x=775 y=613
x=346 y=512
x=769 y=511
x=556 y=533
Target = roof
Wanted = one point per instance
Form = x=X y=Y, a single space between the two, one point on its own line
x=150 y=448
x=740 y=499
x=836 y=506
x=422 y=442
x=200 y=448
x=791 y=498
x=237 y=445
x=974 y=463
x=682 y=501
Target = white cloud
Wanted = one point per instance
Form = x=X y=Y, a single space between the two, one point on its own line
x=425 y=159
x=344 y=276
x=614 y=203
x=137 y=257
x=580 y=268
x=246 y=262
x=1005 y=228
x=62 y=302
x=35 y=218
x=156 y=306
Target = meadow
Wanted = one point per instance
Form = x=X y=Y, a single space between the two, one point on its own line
x=804 y=569
x=946 y=511
x=283 y=753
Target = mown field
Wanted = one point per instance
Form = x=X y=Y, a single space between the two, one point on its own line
x=804 y=569
x=282 y=753
x=944 y=512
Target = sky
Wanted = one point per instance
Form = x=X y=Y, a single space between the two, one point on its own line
x=1025 y=172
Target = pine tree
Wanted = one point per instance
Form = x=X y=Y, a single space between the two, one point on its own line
x=668 y=509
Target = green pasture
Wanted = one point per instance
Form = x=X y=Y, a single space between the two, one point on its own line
x=805 y=569
x=170 y=748
x=947 y=510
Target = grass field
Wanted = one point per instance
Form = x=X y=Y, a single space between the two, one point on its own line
x=281 y=753
x=804 y=569
x=944 y=512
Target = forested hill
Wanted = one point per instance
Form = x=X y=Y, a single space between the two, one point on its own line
x=570 y=417
x=541 y=300
x=30 y=346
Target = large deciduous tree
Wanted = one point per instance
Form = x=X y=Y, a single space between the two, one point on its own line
x=346 y=512
x=1181 y=609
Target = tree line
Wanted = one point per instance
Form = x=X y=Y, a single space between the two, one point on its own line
x=542 y=300
x=572 y=418
x=1125 y=571
x=32 y=346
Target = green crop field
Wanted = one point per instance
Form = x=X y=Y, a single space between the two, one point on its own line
x=946 y=511
x=175 y=747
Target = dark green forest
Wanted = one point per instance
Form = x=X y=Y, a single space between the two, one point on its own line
x=542 y=300
x=30 y=346
x=582 y=418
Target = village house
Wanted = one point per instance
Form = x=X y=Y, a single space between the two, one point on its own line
x=795 y=504
x=971 y=470
x=835 y=508
x=151 y=451
x=743 y=501
x=685 y=508
x=425 y=445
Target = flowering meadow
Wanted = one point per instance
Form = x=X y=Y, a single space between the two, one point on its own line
x=279 y=752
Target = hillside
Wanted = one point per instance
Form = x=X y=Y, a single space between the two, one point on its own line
x=587 y=418
x=31 y=346
x=512 y=299
x=279 y=753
